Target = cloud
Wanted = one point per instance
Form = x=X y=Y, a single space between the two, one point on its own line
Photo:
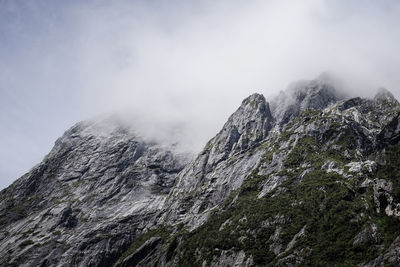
x=194 y=62
x=182 y=65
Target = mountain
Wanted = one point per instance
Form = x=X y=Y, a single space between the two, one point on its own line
x=94 y=193
x=310 y=177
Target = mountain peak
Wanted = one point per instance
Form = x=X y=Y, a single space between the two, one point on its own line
x=384 y=94
x=248 y=125
x=328 y=78
x=105 y=196
x=252 y=106
x=308 y=92
x=314 y=94
x=254 y=97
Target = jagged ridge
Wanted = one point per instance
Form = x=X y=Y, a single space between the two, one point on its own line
x=310 y=178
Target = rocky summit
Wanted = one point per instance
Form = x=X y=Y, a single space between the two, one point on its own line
x=310 y=177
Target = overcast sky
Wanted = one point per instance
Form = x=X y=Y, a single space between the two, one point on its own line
x=180 y=64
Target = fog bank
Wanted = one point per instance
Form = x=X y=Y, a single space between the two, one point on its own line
x=180 y=66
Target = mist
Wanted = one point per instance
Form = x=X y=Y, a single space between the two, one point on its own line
x=178 y=68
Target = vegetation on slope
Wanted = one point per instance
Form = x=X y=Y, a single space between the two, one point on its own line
x=313 y=218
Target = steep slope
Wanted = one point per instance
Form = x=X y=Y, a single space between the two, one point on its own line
x=309 y=178
x=318 y=188
x=235 y=151
x=85 y=203
x=319 y=196
x=302 y=95
x=223 y=164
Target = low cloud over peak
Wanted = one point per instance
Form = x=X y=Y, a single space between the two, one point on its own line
x=187 y=64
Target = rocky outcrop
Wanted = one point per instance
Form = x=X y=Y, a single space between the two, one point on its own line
x=318 y=133
x=391 y=133
x=308 y=178
x=391 y=257
x=222 y=165
x=315 y=94
x=143 y=254
x=98 y=188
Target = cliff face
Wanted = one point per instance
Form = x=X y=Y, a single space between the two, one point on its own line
x=98 y=188
x=311 y=177
x=222 y=165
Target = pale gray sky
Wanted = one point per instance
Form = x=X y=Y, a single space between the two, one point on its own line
x=174 y=64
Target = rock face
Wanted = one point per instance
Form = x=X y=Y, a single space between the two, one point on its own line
x=316 y=94
x=311 y=177
x=223 y=164
x=391 y=133
x=83 y=205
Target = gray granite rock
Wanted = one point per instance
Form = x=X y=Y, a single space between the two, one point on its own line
x=102 y=186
